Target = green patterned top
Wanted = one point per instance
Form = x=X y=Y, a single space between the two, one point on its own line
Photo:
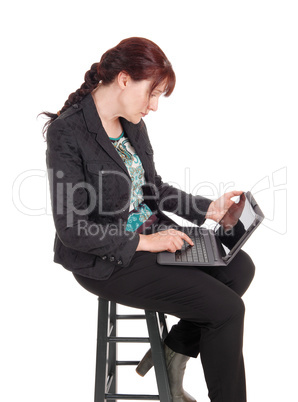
x=139 y=212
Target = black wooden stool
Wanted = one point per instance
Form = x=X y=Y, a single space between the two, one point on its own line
x=106 y=357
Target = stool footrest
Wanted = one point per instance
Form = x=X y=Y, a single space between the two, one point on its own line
x=127 y=362
x=132 y=397
x=130 y=317
x=127 y=339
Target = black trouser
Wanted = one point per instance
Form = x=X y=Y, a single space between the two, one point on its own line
x=208 y=302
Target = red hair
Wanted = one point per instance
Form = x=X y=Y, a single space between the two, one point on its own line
x=141 y=58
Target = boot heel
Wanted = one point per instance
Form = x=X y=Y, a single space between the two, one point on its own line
x=145 y=364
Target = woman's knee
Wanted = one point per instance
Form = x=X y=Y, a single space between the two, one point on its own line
x=247 y=267
x=244 y=271
x=229 y=306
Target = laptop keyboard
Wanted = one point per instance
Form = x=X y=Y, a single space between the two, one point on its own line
x=196 y=253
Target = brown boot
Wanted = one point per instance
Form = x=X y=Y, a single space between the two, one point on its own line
x=176 y=364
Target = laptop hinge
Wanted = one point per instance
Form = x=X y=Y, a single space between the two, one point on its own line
x=226 y=257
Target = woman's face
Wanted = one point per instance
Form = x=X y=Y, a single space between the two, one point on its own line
x=137 y=100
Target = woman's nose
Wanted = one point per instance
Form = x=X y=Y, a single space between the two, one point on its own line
x=153 y=105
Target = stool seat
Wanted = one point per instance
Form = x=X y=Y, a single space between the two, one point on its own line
x=106 y=355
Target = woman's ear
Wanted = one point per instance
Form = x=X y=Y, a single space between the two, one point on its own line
x=123 y=79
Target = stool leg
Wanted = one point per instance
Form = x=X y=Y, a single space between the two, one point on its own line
x=112 y=351
x=158 y=357
x=163 y=324
x=101 y=353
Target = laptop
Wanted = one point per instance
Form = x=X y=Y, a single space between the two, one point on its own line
x=218 y=247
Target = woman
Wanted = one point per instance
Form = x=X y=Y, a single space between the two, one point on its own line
x=107 y=202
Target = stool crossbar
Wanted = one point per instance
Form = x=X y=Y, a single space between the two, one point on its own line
x=106 y=355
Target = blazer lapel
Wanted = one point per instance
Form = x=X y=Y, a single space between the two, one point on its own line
x=134 y=132
x=136 y=136
x=94 y=125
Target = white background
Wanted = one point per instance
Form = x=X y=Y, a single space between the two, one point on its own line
x=230 y=123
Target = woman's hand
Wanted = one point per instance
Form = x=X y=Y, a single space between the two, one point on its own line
x=233 y=214
x=218 y=208
x=165 y=240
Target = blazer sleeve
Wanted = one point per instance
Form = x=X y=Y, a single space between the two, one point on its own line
x=231 y=237
x=70 y=202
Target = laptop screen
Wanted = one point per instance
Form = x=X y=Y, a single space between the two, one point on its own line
x=240 y=221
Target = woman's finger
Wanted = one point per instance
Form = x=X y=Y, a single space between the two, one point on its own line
x=182 y=235
x=186 y=238
x=234 y=193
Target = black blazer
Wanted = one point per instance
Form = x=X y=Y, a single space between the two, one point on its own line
x=90 y=192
